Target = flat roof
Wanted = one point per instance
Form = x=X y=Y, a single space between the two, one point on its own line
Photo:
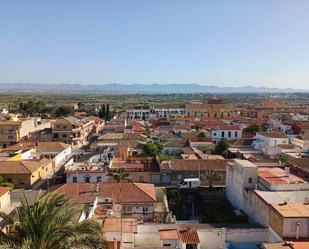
x=276 y=176
x=245 y=163
x=280 y=196
x=272 y=134
x=292 y=210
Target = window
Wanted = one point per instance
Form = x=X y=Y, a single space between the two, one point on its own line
x=141 y=179
x=10 y=137
x=222 y=134
x=9 y=179
x=215 y=134
x=74 y=179
x=236 y=134
x=56 y=135
x=57 y=126
x=229 y=134
x=87 y=178
x=99 y=178
x=250 y=180
x=64 y=135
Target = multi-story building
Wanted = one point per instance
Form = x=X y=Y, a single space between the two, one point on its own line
x=169 y=110
x=12 y=132
x=85 y=172
x=72 y=130
x=226 y=131
x=139 y=112
x=201 y=110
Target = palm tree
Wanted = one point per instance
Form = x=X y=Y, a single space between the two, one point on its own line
x=51 y=223
x=119 y=175
x=210 y=176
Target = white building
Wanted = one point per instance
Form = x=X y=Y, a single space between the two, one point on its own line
x=139 y=113
x=265 y=140
x=81 y=172
x=169 y=110
x=241 y=176
x=300 y=117
x=228 y=132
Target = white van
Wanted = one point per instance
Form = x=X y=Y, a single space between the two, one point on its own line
x=190 y=183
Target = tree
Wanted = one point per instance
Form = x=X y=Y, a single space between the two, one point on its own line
x=210 y=176
x=51 y=223
x=152 y=149
x=107 y=114
x=102 y=113
x=119 y=175
x=253 y=128
x=282 y=159
x=63 y=111
x=32 y=108
x=221 y=147
x=6 y=184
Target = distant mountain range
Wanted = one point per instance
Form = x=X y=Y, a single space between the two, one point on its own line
x=116 y=88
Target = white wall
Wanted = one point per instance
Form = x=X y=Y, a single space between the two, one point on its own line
x=265 y=141
x=5 y=200
x=81 y=176
x=217 y=134
x=237 y=179
x=63 y=156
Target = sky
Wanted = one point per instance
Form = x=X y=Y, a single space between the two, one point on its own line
x=208 y=42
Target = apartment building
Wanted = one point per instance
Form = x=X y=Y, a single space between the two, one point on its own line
x=169 y=110
x=12 y=132
x=139 y=113
x=72 y=130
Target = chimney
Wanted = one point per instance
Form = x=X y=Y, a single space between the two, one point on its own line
x=286 y=171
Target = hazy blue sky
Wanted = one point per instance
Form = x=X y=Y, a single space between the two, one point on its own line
x=220 y=42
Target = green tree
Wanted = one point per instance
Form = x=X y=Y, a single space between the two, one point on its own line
x=152 y=149
x=210 y=176
x=63 y=111
x=221 y=147
x=51 y=223
x=102 y=113
x=282 y=159
x=119 y=175
x=107 y=114
x=6 y=184
x=32 y=108
x=253 y=128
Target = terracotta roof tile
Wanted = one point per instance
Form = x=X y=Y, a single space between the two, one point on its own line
x=130 y=192
x=82 y=193
x=189 y=236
